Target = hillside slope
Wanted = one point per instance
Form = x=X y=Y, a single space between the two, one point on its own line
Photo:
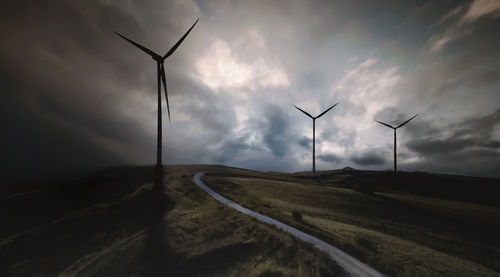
x=118 y=223
x=401 y=224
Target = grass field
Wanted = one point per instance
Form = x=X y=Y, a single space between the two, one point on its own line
x=118 y=223
x=400 y=230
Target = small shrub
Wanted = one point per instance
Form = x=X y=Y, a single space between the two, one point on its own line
x=297 y=215
x=364 y=188
x=271 y=273
x=364 y=242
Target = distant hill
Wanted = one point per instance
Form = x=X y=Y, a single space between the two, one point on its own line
x=479 y=190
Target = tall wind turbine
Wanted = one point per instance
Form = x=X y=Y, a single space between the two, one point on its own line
x=160 y=68
x=395 y=128
x=314 y=130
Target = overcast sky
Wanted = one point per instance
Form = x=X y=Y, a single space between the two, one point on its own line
x=76 y=97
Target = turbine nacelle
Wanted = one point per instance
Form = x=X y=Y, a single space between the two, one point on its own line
x=160 y=60
x=400 y=125
x=155 y=56
x=320 y=115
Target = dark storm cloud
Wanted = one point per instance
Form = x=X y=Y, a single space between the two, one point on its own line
x=474 y=132
x=368 y=158
x=276 y=131
x=491 y=144
x=329 y=158
x=477 y=162
x=468 y=61
x=36 y=146
x=439 y=147
x=215 y=118
x=471 y=143
x=234 y=148
x=65 y=80
x=76 y=97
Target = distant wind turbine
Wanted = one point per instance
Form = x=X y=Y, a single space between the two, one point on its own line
x=395 y=128
x=314 y=130
x=161 y=79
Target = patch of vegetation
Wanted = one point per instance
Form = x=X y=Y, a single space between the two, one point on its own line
x=297 y=215
x=400 y=230
x=271 y=273
x=365 y=242
x=364 y=188
x=134 y=228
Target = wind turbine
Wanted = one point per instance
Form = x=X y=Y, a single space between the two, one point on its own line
x=314 y=130
x=395 y=128
x=161 y=79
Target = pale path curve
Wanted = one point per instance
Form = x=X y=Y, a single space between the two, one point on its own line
x=347 y=262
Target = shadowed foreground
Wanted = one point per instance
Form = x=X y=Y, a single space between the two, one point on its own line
x=119 y=222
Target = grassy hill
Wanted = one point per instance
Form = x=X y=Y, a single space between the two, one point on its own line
x=117 y=222
x=404 y=224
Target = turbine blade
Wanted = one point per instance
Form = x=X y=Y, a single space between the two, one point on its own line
x=172 y=50
x=164 y=81
x=304 y=112
x=385 y=124
x=327 y=110
x=151 y=53
x=401 y=125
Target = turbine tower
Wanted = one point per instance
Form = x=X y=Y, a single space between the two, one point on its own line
x=314 y=130
x=395 y=128
x=161 y=79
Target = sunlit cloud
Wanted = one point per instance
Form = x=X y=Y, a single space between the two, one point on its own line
x=234 y=79
x=219 y=68
x=480 y=8
x=464 y=25
x=368 y=87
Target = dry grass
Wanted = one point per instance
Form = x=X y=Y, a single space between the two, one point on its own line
x=138 y=230
x=396 y=232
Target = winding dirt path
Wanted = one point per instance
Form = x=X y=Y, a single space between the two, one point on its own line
x=347 y=262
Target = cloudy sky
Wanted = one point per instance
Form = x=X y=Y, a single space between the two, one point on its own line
x=77 y=97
